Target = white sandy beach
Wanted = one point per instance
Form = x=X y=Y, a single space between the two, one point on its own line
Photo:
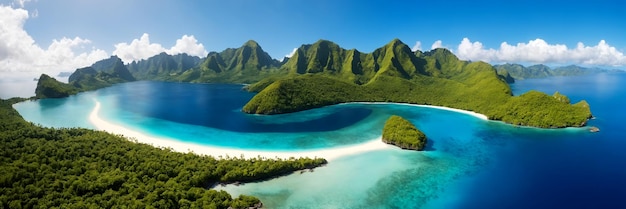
x=329 y=154
x=475 y=114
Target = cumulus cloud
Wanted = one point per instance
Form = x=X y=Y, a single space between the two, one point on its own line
x=188 y=44
x=142 y=48
x=20 y=53
x=539 y=51
x=417 y=46
x=437 y=44
x=138 y=49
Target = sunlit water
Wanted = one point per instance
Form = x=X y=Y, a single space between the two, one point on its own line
x=469 y=162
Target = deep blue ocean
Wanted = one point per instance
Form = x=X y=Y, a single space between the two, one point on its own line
x=469 y=162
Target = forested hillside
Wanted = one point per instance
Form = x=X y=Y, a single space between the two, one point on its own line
x=81 y=168
x=324 y=74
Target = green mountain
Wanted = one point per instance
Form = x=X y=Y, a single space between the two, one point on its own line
x=101 y=74
x=88 y=78
x=520 y=72
x=48 y=87
x=436 y=73
x=504 y=74
x=324 y=74
x=113 y=70
x=162 y=66
x=246 y=64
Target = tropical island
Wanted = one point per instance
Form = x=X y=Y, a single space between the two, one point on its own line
x=317 y=75
x=402 y=133
x=322 y=74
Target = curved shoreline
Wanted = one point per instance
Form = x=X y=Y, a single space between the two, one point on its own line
x=328 y=153
x=467 y=112
x=471 y=113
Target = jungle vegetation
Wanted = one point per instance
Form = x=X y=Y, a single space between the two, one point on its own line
x=81 y=168
x=324 y=74
x=402 y=133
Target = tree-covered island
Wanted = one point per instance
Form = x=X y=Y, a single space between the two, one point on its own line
x=402 y=133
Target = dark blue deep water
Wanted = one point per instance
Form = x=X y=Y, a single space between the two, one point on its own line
x=470 y=163
x=558 y=170
x=203 y=104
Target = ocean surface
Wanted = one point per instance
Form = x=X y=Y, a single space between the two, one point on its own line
x=469 y=162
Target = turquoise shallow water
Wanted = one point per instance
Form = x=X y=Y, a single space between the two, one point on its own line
x=469 y=163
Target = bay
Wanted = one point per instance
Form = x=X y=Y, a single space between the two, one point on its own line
x=469 y=162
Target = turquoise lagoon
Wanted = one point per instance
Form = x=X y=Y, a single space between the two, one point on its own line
x=469 y=162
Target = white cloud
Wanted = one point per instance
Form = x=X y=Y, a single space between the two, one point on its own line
x=291 y=53
x=188 y=44
x=539 y=51
x=142 y=48
x=138 y=49
x=20 y=53
x=437 y=44
x=417 y=46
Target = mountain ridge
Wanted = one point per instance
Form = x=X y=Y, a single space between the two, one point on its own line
x=321 y=74
x=390 y=73
x=521 y=72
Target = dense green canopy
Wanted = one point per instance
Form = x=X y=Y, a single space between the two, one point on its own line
x=395 y=74
x=402 y=133
x=80 y=168
x=48 y=87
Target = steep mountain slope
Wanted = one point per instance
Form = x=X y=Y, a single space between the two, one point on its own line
x=101 y=74
x=323 y=74
x=162 y=66
x=48 y=87
x=246 y=64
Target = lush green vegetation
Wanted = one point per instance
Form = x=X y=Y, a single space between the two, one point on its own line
x=48 y=87
x=162 y=66
x=80 y=168
x=247 y=64
x=395 y=74
x=504 y=74
x=300 y=93
x=101 y=74
x=402 y=133
x=540 y=110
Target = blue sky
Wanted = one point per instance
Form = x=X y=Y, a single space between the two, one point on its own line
x=280 y=25
x=494 y=31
